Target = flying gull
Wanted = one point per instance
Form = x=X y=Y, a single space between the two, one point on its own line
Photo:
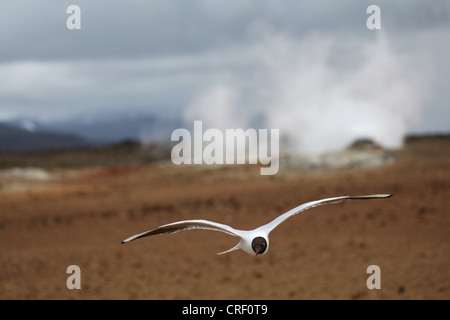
x=256 y=241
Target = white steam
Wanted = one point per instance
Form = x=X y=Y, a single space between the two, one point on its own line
x=320 y=94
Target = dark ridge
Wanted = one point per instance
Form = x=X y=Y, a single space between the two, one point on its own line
x=412 y=137
x=13 y=139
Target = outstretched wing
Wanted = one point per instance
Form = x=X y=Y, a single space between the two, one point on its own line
x=186 y=225
x=274 y=223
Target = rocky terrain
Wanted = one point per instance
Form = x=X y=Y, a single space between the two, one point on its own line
x=78 y=212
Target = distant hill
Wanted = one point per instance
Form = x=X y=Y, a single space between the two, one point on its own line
x=118 y=127
x=18 y=139
x=103 y=130
x=28 y=134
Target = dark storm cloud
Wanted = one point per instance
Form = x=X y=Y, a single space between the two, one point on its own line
x=154 y=55
x=130 y=29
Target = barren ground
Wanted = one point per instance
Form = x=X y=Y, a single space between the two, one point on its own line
x=81 y=218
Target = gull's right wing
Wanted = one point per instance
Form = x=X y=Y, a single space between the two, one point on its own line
x=186 y=225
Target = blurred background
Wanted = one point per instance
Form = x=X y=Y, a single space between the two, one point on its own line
x=138 y=70
x=86 y=118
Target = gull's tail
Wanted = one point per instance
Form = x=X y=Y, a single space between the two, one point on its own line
x=236 y=247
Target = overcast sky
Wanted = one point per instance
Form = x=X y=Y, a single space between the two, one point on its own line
x=232 y=63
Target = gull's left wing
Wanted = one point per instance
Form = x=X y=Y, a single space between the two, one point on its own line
x=274 y=223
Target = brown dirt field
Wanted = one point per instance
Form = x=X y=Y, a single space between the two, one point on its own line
x=322 y=253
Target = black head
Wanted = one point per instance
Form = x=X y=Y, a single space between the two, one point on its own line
x=259 y=245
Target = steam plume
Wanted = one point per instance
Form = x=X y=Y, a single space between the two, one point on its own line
x=321 y=94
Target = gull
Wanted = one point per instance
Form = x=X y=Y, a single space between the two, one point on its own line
x=256 y=241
